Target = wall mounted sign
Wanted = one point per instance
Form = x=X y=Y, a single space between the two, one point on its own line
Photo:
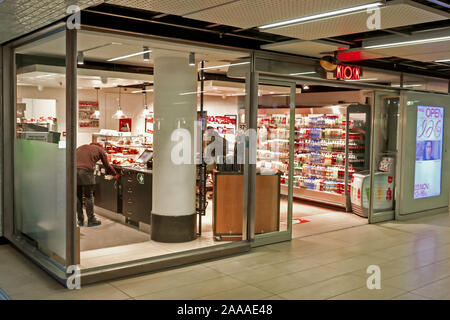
x=344 y=72
x=125 y=125
x=428 y=165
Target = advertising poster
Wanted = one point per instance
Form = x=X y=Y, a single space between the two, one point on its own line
x=428 y=166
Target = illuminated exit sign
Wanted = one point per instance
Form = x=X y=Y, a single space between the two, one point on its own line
x=344 y=72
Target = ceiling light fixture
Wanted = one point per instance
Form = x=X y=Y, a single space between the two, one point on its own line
x=146 y=54
x=407 y=43
x=146 y=112
x=225 y=65
x=119 y=113
x=143 y=90
x=417 y=38
x=192 y=59
x=366 y=79
x=302 y=73
x=97 y=112
x=80 y=58
x=321 y=15
x=129 y=55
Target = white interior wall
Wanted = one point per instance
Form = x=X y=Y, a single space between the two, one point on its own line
x=132 y=106
x=58 y=94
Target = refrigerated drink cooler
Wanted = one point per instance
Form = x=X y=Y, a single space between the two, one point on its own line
x=383 y=186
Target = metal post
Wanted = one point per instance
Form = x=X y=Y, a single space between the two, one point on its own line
x=250 y=168
x=8 y=120
x=71 y=142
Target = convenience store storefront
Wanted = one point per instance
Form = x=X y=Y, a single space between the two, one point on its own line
x=277 y=160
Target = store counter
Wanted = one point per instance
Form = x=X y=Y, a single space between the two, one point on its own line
x=228 y=204
x=130 y=195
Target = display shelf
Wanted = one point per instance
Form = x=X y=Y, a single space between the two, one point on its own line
x=316 y=196
x=333 y=146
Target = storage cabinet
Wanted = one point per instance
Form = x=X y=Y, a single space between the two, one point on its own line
x=108 y=192
x=137 y=195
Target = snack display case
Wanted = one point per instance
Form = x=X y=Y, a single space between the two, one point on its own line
x=123 y=150
x=329 y=149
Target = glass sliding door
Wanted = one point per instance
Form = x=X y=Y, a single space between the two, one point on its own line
x=423 y=152
x=274 y=161
x=384 y=156
x=39 y=154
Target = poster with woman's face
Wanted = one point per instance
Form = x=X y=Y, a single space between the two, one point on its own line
x=428 y=165
x=428 y=150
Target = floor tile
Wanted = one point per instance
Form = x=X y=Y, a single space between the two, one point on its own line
x=385 y=293
x=194 y=291
x=325 y=289
x=437 y=290
x=410 y=296
x=242 y=293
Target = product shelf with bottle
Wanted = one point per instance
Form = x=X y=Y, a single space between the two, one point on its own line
x=329 y=149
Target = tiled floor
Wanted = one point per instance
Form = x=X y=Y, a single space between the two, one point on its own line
x=101 y=246
x=414 y=259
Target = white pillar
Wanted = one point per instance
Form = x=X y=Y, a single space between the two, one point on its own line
x=175 y=106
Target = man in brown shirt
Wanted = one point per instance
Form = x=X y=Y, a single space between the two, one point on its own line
x=87 y=157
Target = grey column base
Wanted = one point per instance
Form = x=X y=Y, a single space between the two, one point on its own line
x=174 y=229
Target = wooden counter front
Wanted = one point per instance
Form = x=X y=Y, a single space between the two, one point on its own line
x=228 y=204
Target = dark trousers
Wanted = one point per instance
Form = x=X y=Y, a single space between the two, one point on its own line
x=85 y=194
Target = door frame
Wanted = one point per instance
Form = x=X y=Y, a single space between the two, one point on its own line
x=377 y=94
x=286 y=235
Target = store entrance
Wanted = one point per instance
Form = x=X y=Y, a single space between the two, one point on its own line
x=327 y=185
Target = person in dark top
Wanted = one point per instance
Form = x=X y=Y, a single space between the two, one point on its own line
x=87 y=157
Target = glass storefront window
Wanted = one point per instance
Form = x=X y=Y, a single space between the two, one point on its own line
x=39 y=146
x=154 y=106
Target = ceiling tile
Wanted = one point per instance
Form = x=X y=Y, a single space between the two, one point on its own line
x=421 y=52
x=253 y=13
x=317 y=48
x=176 y=7
x=396 y=14
x=19 y=17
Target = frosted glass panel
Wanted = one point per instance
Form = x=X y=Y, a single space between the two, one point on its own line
x=40 y=194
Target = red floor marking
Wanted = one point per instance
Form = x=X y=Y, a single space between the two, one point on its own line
x=298 y=221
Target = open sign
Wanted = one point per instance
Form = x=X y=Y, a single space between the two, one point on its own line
x=344 y=72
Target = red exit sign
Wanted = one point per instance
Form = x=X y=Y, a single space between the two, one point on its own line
x=344 y=72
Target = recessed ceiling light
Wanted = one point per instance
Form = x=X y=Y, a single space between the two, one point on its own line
x=407 y=43
x=129 y=55
x=321 y=15
x=225 y=65
x=192 y=59
x=366 y=79
x=302 y=73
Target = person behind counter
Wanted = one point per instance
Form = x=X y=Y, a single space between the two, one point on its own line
x=87 y=157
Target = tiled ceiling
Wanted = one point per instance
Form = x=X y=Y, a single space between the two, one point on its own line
x=252 y=13
x=176 y=7
x=240 y=18
x=316 y=48
x=395 y=14
x=19 y=17
x=421 y=52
